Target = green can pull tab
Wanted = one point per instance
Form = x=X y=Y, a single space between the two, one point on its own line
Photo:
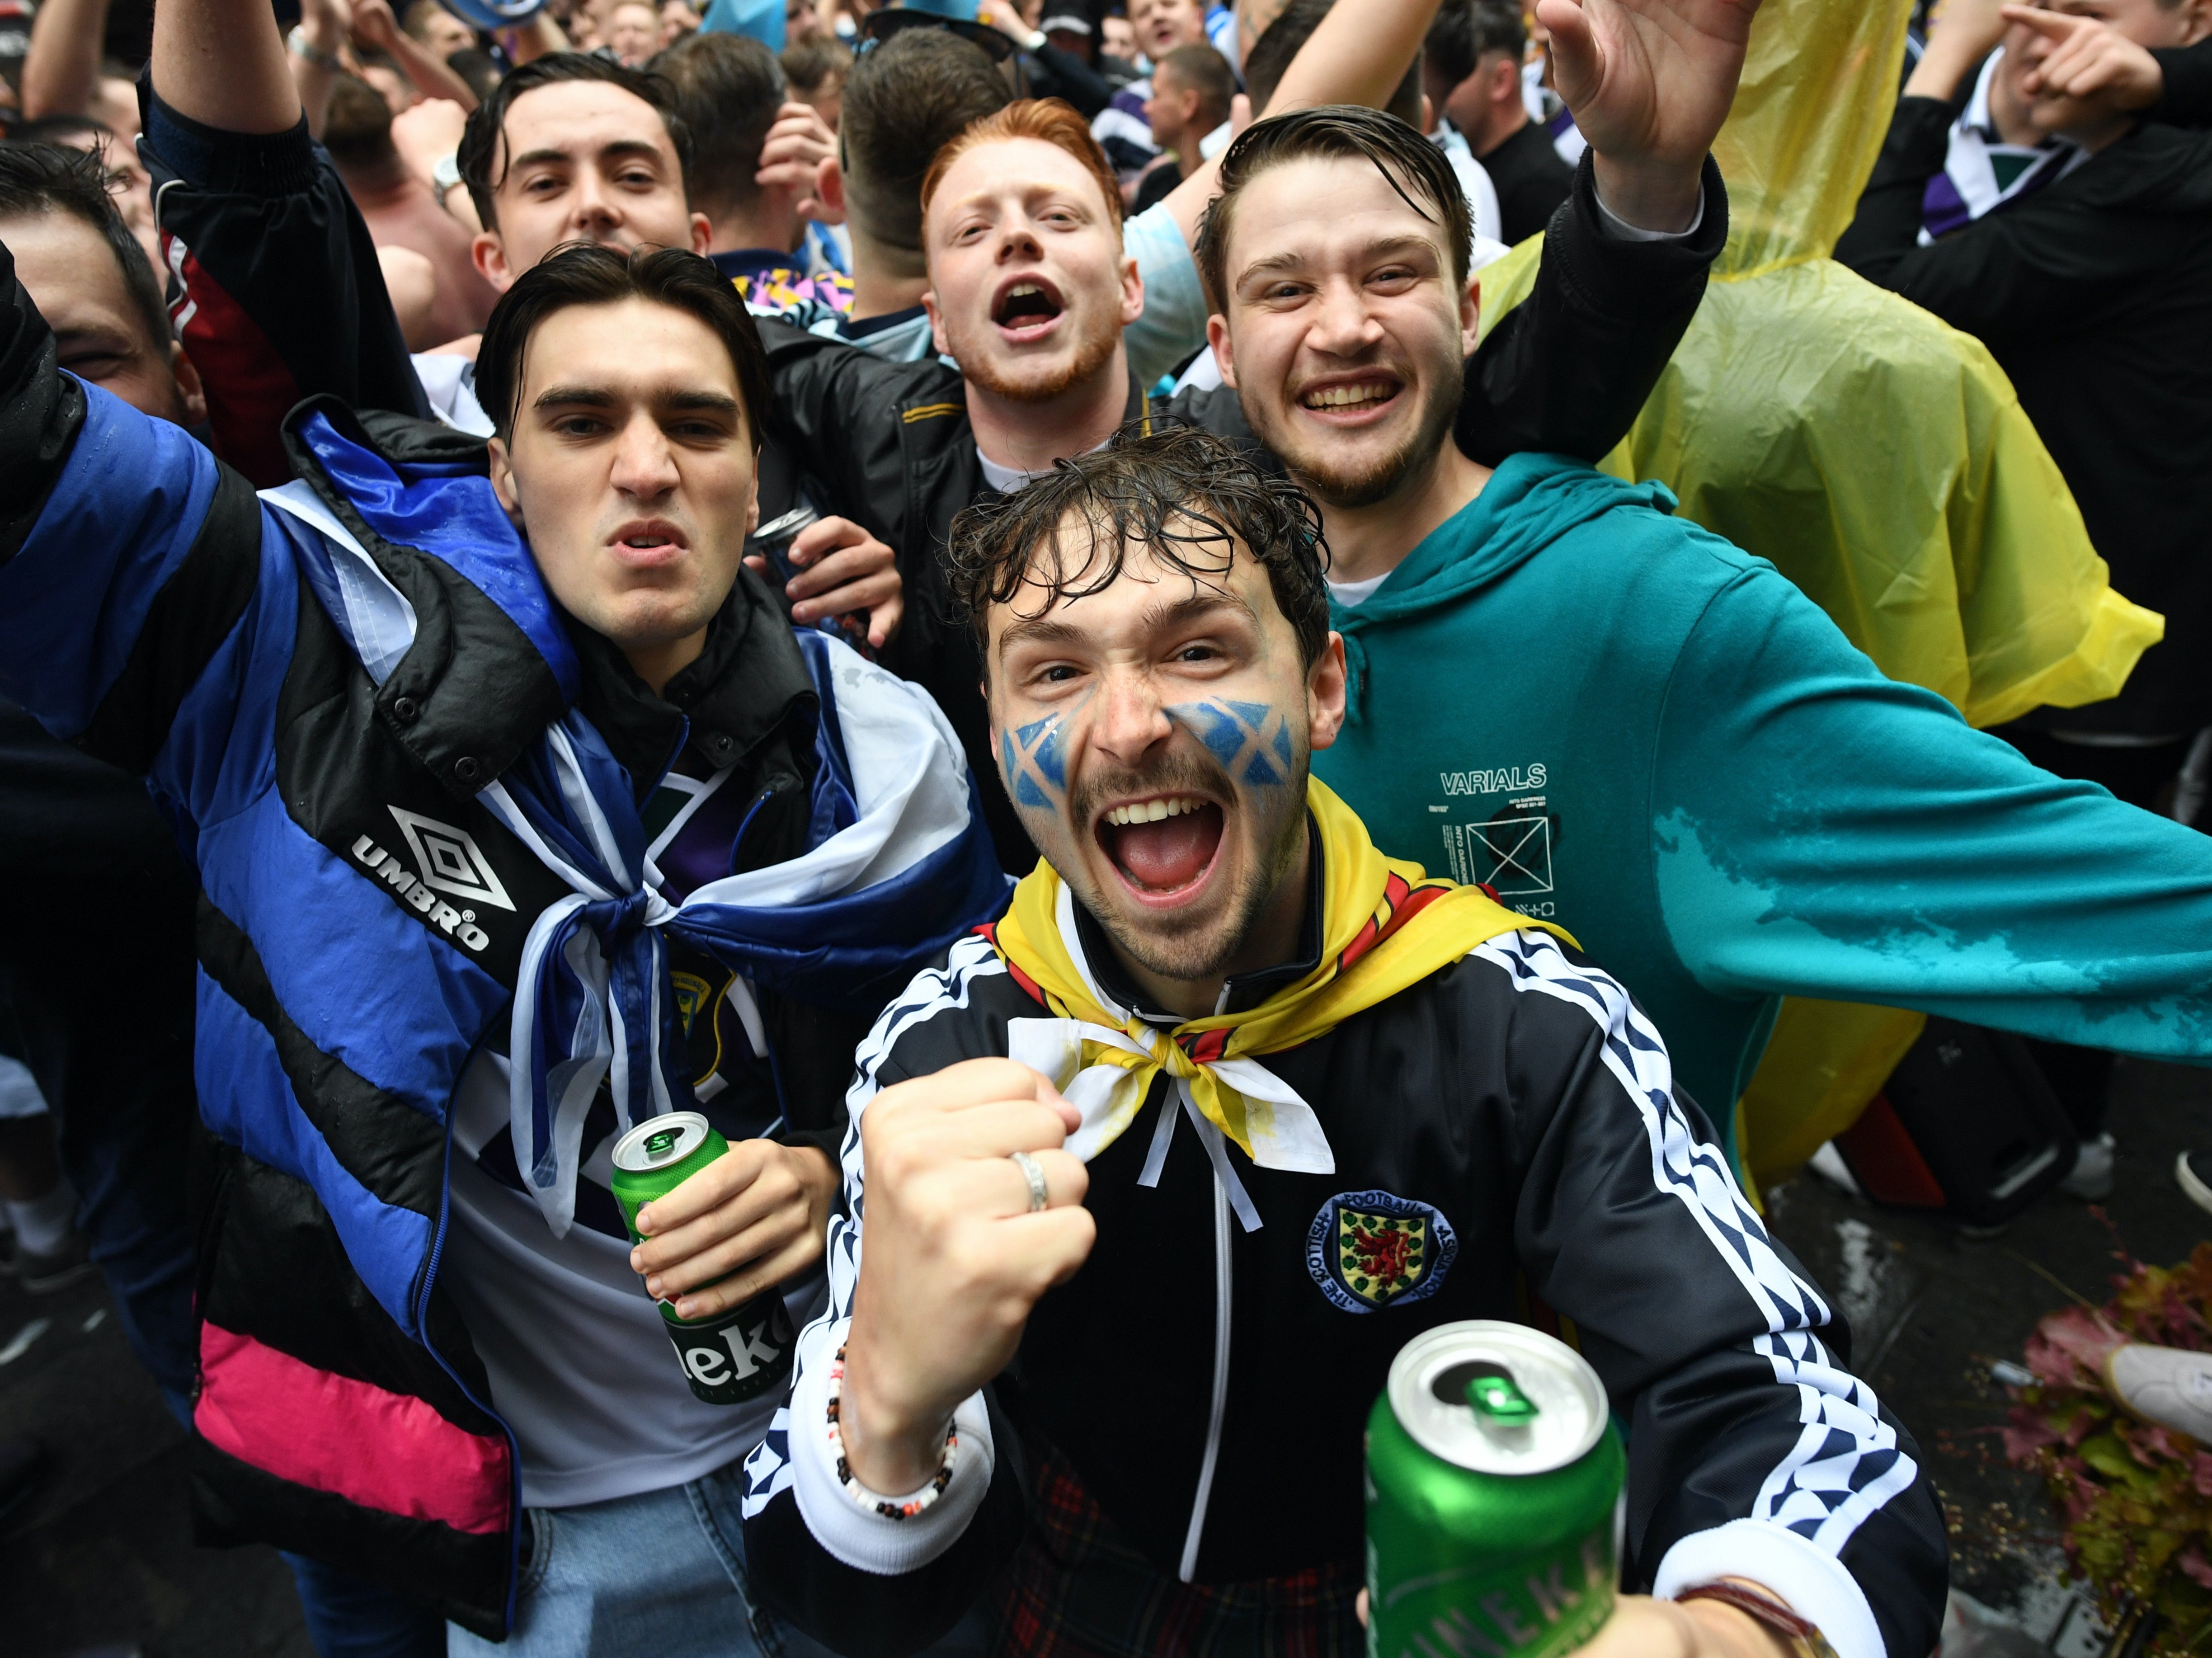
x=1500 y=1398
x=658 y=1145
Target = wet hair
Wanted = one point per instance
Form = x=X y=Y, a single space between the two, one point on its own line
x=1415 y=168
x=1271 y=54
x=584 y=273
x=1049 y=120
x=727 y=90
x=904 y=101
x=1187 y=495
x=57 y=179
x=480 y=138
x=1205 y=72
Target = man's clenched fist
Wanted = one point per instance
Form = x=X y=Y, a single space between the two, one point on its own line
x=952 y=1258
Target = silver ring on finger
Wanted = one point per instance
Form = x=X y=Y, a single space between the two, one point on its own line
x=1033 y=1172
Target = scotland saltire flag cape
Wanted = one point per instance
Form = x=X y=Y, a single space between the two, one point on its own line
x=897 y=865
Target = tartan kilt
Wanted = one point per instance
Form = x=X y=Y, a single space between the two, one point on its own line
x=1076 y=1588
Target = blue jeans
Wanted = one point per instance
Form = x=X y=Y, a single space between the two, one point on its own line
x=348 y=1617
x=661 y=1574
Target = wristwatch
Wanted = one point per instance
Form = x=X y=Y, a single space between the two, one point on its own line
x=445 y=173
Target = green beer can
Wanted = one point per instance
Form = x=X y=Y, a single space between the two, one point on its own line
x=1494 y=1489
x=734 y=1355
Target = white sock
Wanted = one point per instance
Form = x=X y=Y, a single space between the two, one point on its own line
x=43 y=1224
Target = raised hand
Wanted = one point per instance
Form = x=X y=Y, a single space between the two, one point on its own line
x=844 y=571
x=2090 y=62
x=1650 y=83
x=374 y=26
x=952 y=1256
x=791 y=156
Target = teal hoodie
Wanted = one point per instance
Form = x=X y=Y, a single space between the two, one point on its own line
x=1627 y=725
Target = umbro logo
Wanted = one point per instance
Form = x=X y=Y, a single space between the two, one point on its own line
x=447 y=860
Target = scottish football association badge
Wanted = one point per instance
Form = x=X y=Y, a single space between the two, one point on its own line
x=1371 y=1249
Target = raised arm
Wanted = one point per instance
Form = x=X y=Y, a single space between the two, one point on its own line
x=61 y=70
x=284 y=294
x=131 y=572
x=1358 y=55
x=373 y=25
x=222 y=63
x=1626 y=259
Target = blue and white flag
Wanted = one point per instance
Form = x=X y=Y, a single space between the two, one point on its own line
x=898 y=864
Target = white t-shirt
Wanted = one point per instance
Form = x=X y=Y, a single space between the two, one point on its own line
x=579 y=1365
x=1352 y=594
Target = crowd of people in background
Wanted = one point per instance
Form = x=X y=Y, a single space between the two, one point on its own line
x=889 y=298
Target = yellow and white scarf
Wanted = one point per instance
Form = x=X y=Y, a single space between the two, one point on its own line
x=1386 y=926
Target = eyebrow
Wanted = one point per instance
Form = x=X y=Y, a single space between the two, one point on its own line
x=1276 y=262
x=598 y=397
x=1043 y=630
x=619 y=147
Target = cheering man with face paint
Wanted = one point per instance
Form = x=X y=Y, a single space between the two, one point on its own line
x=1106 y=1140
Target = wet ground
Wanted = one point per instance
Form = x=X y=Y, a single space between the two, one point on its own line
x=99 y=1560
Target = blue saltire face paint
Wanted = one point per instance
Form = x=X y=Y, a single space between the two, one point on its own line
x=1034 y=758
x=1251 y=740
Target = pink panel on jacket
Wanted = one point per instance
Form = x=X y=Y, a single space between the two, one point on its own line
x=382 y=1450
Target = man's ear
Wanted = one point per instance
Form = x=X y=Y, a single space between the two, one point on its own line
x=702 y=235
x=489 y=255
x=501 y=468
x=1325 y=683
x=2197 y=23
x=752 y=501
x=1470 y=315
x=1133 y=290
x=1505 y=79
x=1217 y=335
x=943 y=346
x=189 y=388
x=830 y=186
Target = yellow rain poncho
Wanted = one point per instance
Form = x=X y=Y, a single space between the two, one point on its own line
x=1874 y=455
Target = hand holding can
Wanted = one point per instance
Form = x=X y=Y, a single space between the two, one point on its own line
x=728 y=1226
x=1494 y=1494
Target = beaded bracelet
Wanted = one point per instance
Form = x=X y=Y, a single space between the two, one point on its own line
x=859 y=1493
x=1803 y=1635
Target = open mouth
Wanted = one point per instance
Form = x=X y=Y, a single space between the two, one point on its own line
x=1027 y=309
x=648 y=542
x=1165 y=846
x=1351 y=398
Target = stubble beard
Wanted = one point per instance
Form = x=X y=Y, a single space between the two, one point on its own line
x=1199 y=949
x=1378 y=480
x=1091 y=355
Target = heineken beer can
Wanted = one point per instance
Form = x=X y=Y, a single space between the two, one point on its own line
x=1493 y=1483
x=734 y=1355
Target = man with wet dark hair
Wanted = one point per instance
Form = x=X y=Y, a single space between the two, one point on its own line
x=1213 y=950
